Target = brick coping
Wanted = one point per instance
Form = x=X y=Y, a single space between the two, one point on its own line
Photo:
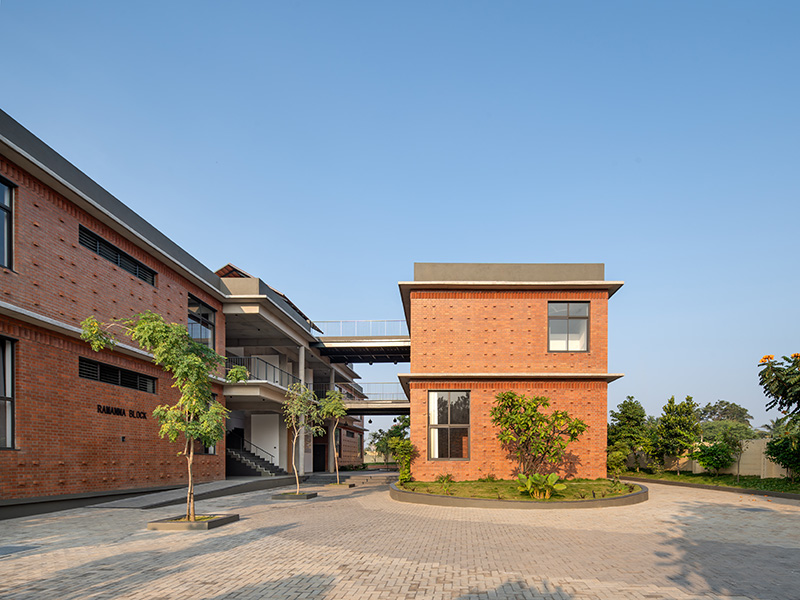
x=456 y=501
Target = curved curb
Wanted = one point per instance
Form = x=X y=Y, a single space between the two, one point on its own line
x=717 y=488
x=456 y=501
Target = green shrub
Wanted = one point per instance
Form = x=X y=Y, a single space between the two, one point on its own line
x=714 y=457
x=785 y=450
x=540 y=486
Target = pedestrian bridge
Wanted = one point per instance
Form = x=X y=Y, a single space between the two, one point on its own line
x=362 y=342
x=382 y=398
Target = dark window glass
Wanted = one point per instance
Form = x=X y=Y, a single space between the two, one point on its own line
x=448 y=424
x=111 y=253
x=350 y=434
x=568 y=326
x=6 y=230
x=6 y=393
x=201 y=321
x=97 y=371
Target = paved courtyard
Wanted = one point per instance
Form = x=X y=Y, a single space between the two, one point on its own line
x=358 y=543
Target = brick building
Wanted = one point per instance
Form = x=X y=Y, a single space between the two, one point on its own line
x=75 y=422
x=481 y=329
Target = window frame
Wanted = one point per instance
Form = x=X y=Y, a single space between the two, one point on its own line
x=9 y=212
x=567 y=319
x=9 y=366
x=448 y=425
x=84 y=363
x=203 y=322
x=84 y=234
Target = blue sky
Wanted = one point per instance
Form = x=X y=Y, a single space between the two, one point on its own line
x=327 y=146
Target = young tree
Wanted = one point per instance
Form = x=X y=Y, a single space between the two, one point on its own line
x=196 y=416
x=714 y=456
x=678 y=428
x=301 y=411
x=332 y=407
x=780 y=381
x=785 y=451
x=628 y=425
x=537 y=440
x=722 y=410
x=380 y=441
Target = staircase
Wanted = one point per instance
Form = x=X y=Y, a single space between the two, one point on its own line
x=244 y=462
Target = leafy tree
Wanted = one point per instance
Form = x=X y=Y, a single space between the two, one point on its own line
x=404 y=452
x=536 y=439
x=332 y=407
x=301 y=411
x=722 y=410
x=714 y=456
x=382 y=440
x=627 y=431
x=780 y=381
x=785 y=450
x=616 y=460
x=196 y=416
x=677 y=428
x=776 y=426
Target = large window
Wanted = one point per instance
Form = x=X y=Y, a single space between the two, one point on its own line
x=201 y=322
x=568 y=326
x=92 y=241
x=91 y=369
x=6 y=226
x=448 y=425
x=6 y=393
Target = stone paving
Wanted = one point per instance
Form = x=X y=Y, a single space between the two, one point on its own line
x=358 y=543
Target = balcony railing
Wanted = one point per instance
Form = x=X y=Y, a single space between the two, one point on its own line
x=260 y=370
x=397 y=327
x=364 y=392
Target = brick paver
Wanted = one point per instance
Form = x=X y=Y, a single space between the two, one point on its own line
x=358 y=543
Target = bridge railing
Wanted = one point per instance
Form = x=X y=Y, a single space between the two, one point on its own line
x=385 y=328
x=372 y=391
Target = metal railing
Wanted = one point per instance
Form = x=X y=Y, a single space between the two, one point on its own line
x=365 y=392
x=363 y=328
x=236 y=441
x=260 y=370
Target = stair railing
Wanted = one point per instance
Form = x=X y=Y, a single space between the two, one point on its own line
x=249 y=446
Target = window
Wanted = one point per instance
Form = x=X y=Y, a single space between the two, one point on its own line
x=6 y=228
x=350 y=434
x=201 y=322
x=448 y=425
x=568 y=326
x=90 y=369
x=6 y=393
x=360 y=445
x=111 y=253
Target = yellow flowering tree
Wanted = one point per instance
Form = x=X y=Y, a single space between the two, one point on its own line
x=780 y=380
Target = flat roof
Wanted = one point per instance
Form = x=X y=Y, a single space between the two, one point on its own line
x=519 y=272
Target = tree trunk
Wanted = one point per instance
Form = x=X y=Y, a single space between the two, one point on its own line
x=294 y=460
x=335 y=453
x=190 y=494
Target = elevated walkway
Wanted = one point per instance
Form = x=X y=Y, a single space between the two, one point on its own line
x=370 y=342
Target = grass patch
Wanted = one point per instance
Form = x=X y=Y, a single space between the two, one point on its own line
x=577 y=489
x=747 y=482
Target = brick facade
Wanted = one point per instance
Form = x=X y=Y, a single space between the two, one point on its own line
x=63 y=445
x=502 y=335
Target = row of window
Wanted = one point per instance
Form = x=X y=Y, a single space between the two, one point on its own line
x=201 y=317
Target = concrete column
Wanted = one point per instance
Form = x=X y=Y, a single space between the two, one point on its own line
x=301 y=441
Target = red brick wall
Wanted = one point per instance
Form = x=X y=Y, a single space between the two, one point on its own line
x=64 y=446
x=504 y=331
x=583 y=399
x=56 y=277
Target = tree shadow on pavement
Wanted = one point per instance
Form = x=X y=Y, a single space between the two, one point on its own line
x=724 y=547
x=520 y=590
x=115 y=575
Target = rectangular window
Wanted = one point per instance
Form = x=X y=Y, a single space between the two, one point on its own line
x=448 y=425
x=568 y=326
x=111 y=253
x=201 y=322
x=350 y=434
x=6 y=225
x=360 y=445
x=6 y=393
x=97 y=371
